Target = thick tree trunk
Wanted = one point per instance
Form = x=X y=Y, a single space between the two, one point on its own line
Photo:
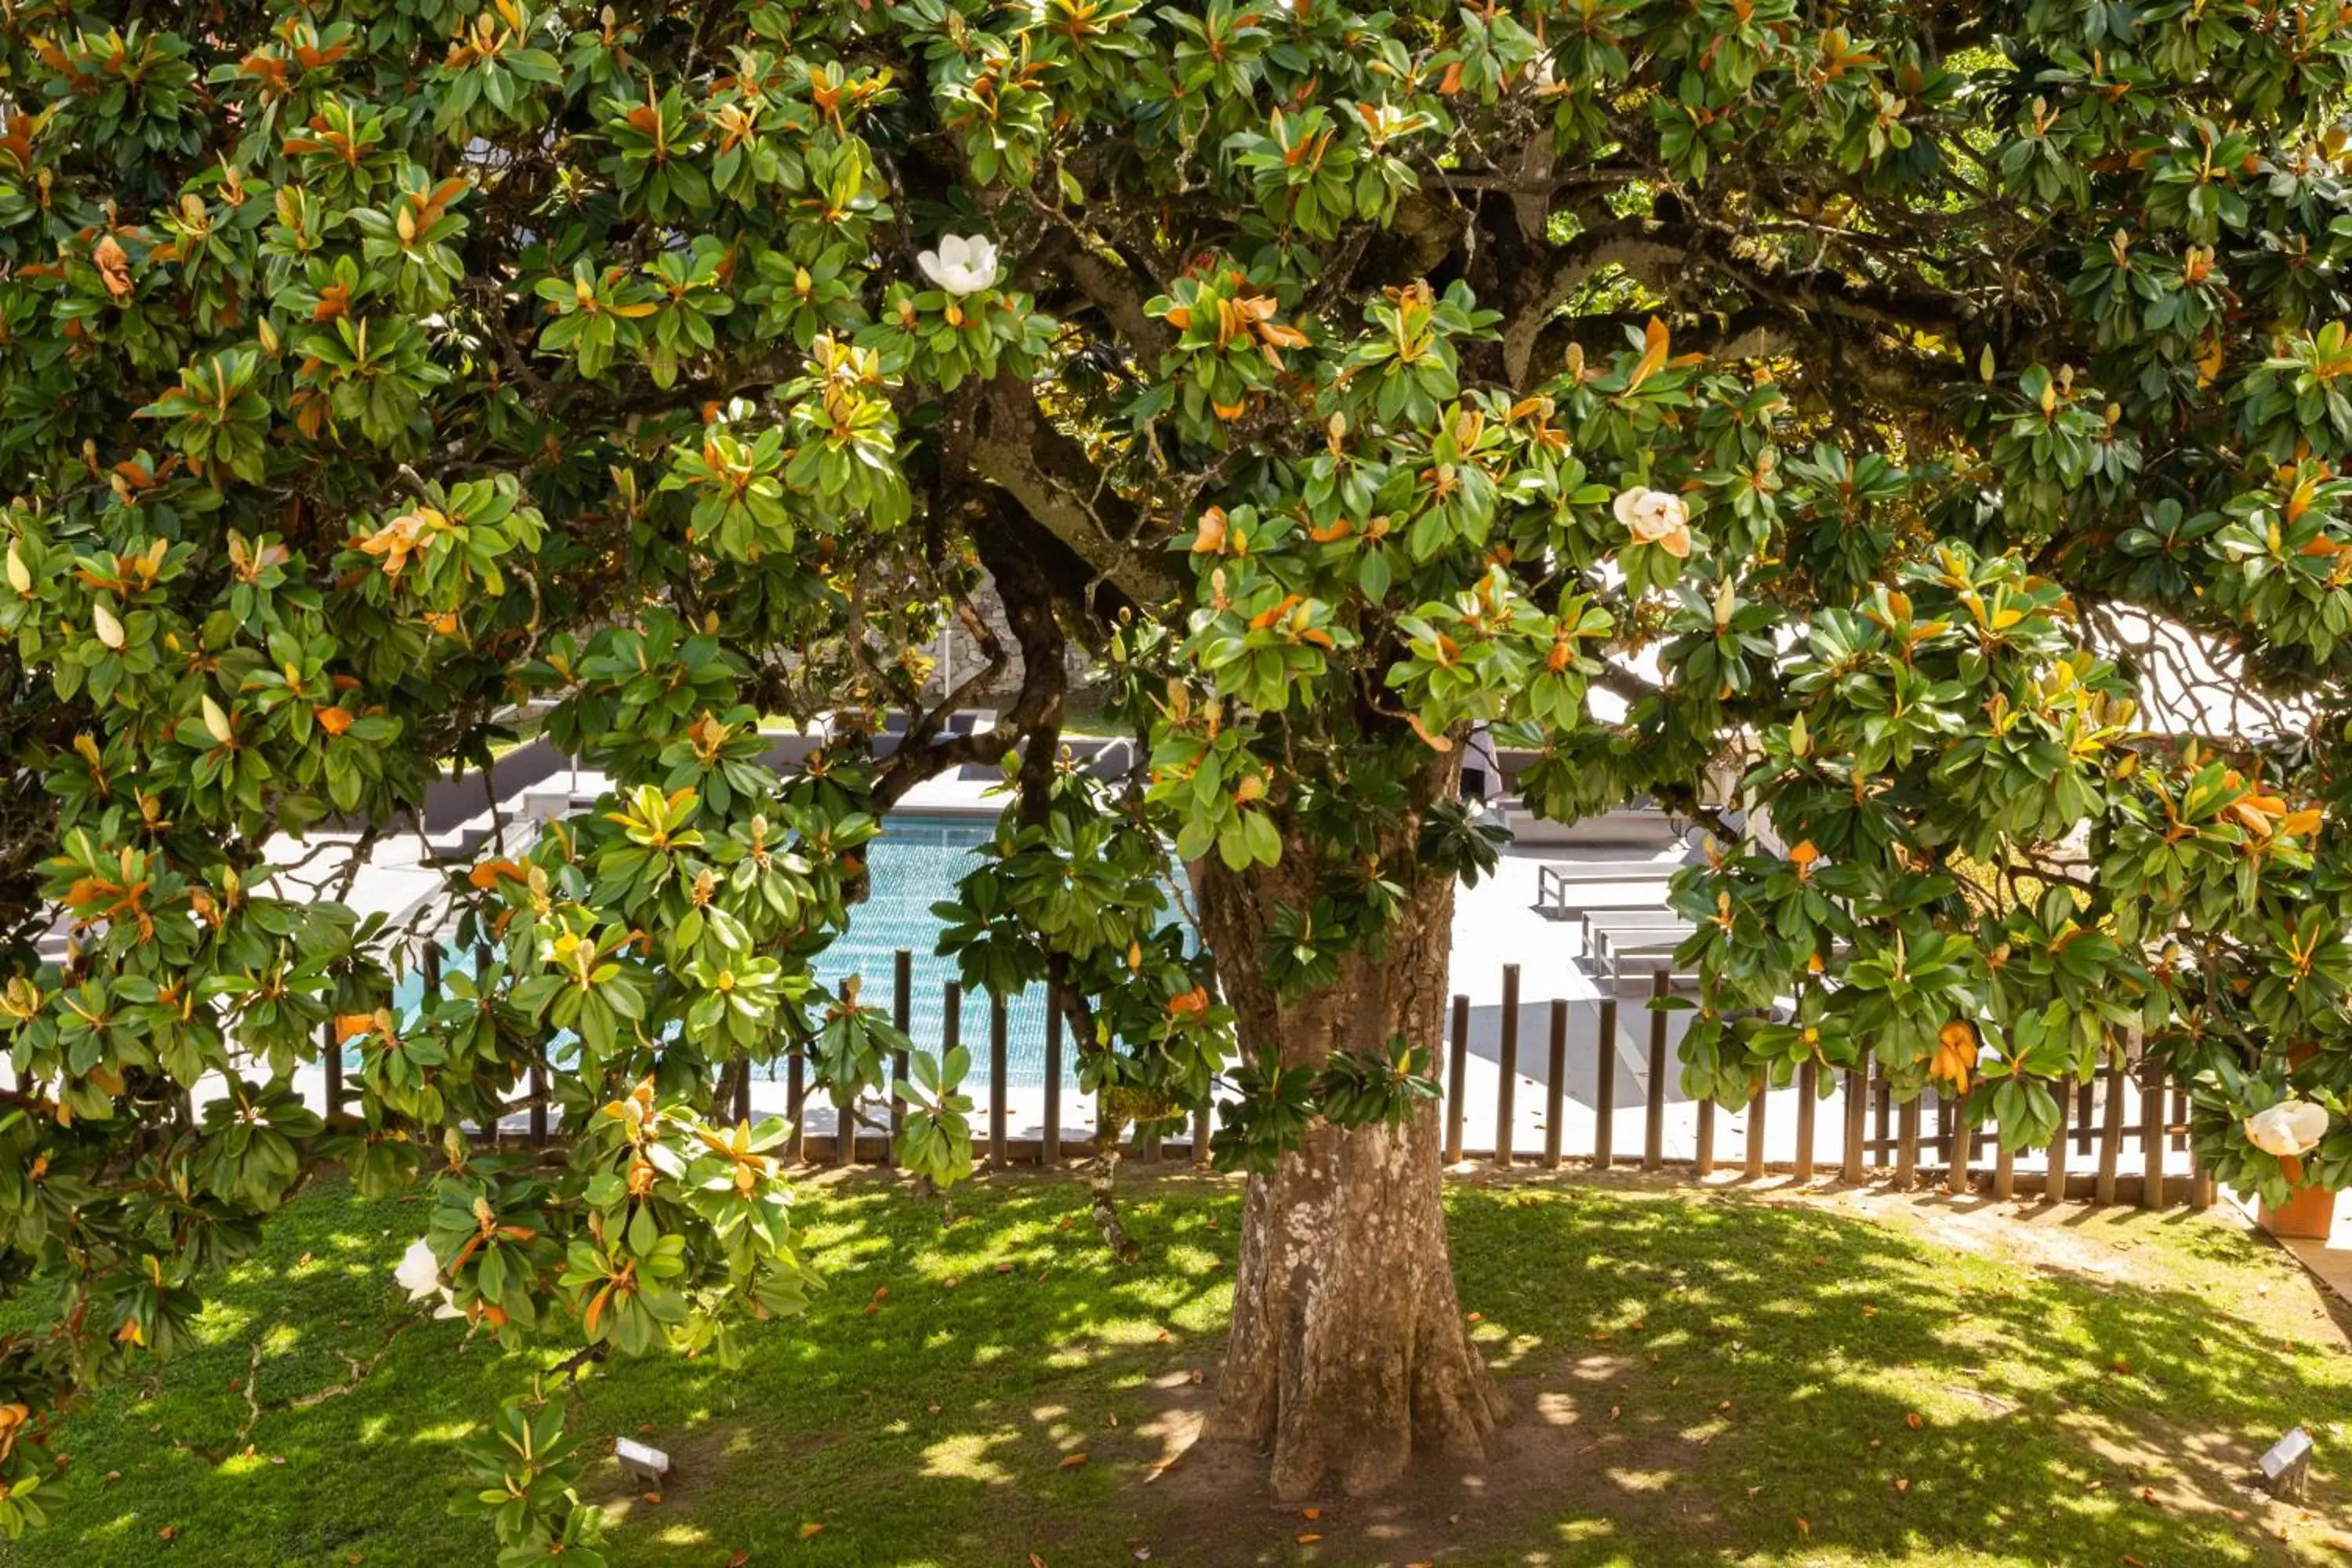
x=1348 y=1350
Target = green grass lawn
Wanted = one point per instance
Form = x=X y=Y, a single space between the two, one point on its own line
x=1692 y=1379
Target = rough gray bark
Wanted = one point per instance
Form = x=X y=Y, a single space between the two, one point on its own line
x=1349 y=1350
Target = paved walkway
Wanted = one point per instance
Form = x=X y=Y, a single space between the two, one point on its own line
x=2329 y=1259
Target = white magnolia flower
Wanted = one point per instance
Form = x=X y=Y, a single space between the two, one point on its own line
x=1656 y=517
x=2290 y=1127
x=419 y=1273
x=962 y=265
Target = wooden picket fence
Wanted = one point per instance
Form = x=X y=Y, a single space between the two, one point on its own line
x=2124 y=1108
x=871 y=1140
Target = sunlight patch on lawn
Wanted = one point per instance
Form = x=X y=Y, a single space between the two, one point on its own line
x=966 y=1457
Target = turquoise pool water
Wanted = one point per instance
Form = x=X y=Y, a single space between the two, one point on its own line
x=915 y=864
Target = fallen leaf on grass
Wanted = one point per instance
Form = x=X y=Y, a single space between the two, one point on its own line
x=1073 y=1462
x=1901 y=1485
x=811 y=1531
x=168 y=1532
x=739 y=1559
x=1310 y=1515
x=1870 y=1311
x=1913 y=1421
x=1804 y=1528
x=651 y=1497
x=1307 y=1538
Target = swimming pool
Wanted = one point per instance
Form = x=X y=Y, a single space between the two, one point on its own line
x=913 y=865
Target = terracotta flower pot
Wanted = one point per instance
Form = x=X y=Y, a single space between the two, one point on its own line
x=2308 y=1212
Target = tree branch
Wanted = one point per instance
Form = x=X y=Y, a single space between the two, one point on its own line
x=1036 y=708
x=1016 y=446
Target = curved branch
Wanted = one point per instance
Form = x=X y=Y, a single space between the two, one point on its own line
x=1036 y=715
x=1018 y=448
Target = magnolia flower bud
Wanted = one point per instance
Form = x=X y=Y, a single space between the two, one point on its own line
x=109 y=629
x=216 y=721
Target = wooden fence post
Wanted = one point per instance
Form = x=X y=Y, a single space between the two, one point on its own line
x=999 y=1023
x=796 y=1100
x=1654 y=1136
x=950 y=1016
x=1556 y=1084
x=1906 y=1145
x=1507 y=1088
x=2111 y=1131
x=1809 y=1084
x=1049 y=1152
x=1604 y=1129
x=902 y=1018
x=844 y=1131
x=331 y=1059
x=2054 y=1181
x=1857 y=1112
x=1458 y=1074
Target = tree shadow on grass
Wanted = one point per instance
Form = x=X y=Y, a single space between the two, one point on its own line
x=1690 y=1377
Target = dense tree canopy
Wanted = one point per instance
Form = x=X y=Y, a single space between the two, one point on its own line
x=1884 y=402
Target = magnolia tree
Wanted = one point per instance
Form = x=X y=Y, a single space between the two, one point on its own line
x=1932 y=411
